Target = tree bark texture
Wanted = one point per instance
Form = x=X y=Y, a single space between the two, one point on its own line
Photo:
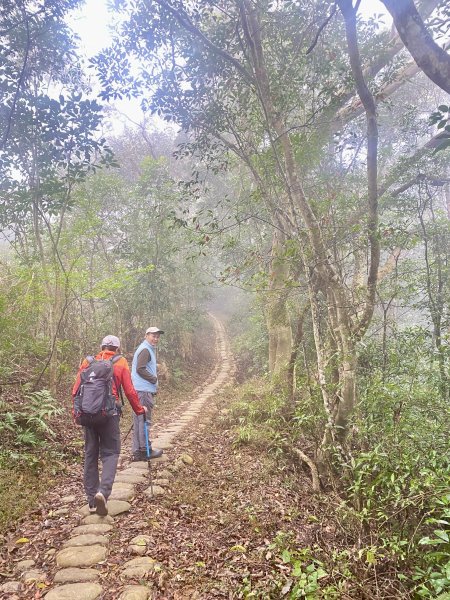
x=428 y=55
x=278 y=319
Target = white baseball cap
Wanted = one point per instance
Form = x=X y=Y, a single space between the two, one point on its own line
x=154 y=330
x=111 y=340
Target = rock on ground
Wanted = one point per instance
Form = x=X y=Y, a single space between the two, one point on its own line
x=84 y=556
x=73 y=574
x=75 y=591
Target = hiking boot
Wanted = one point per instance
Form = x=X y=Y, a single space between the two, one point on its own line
x=139 y=456
x=155 y=453
x=100 y=504
x=92 y=508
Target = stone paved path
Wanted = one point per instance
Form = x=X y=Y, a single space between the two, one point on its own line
x=81 y=558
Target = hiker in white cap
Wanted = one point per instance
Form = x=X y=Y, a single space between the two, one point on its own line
x=144 y=374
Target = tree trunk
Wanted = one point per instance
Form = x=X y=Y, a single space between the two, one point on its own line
x=347 y=395
x=54 y=315
x=278 y=320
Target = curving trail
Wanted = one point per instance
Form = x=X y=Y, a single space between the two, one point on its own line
x=192 y=407
x=89 y=559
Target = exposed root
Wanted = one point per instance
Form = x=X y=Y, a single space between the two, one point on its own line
x=316 y=486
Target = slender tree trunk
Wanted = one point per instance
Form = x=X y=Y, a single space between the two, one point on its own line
x=298 y=343
x=53 y=323
x=347 y=389
x=278 y=320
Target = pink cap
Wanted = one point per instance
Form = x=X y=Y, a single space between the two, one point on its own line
x=111 y=340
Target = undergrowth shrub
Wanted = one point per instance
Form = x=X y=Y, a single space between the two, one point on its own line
x=30 y=456
x=261 y=413
x=249 y=343
x=401 y=460
x=256 y=415
x=394 y=509
x=27 y=426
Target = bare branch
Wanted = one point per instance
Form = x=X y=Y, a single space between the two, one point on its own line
x=184 y=20
x=390 y=264
x=312 y=467
x=321 y=28
x=20 y=81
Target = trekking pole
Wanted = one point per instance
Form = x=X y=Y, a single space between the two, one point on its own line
x=147 y=450
x=129 y=431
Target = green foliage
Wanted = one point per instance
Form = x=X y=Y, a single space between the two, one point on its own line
x=441 y=118
x=393 y=486
x=107 y=282
x=304 y=572
x=249 y=340
x=296 y=573
x=394 y=492
x=21 y=309
x=257 y=415
x=400 y=397
x=48 y=142
x=30 y=454
x=400 y=472
x=433 y=575
x=30 y=37
x=27 y=426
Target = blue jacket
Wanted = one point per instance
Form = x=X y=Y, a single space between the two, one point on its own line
x=141 y=384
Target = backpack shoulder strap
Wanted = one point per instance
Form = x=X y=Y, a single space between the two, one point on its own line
x=113 y=360
x=89 y=359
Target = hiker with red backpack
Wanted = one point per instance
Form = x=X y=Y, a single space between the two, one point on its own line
x=97 y=408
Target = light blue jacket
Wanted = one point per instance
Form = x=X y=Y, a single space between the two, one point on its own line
x=141 y=384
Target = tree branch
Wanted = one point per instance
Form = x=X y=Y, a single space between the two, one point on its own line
x=428 y=55
x=349 y=14
x=321 y=28
x=21 y=79
x=351 y=107
x=312 y=467
x=184 y=20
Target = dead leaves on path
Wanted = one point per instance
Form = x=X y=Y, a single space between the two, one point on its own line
x=213 y=535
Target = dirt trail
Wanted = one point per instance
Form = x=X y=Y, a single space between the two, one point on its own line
x=75 y=555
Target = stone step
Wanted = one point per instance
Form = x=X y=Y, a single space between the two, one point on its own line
x=75 y=591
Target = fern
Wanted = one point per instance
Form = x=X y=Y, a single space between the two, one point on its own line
x=42 y=406
x=9 y=422
x=28 y=438
x=29 y=426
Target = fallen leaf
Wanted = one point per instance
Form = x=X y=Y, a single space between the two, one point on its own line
x=286 y=587
x=238 y=548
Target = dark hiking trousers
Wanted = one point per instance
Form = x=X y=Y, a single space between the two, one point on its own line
x=146 y=399
x=101 y=441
